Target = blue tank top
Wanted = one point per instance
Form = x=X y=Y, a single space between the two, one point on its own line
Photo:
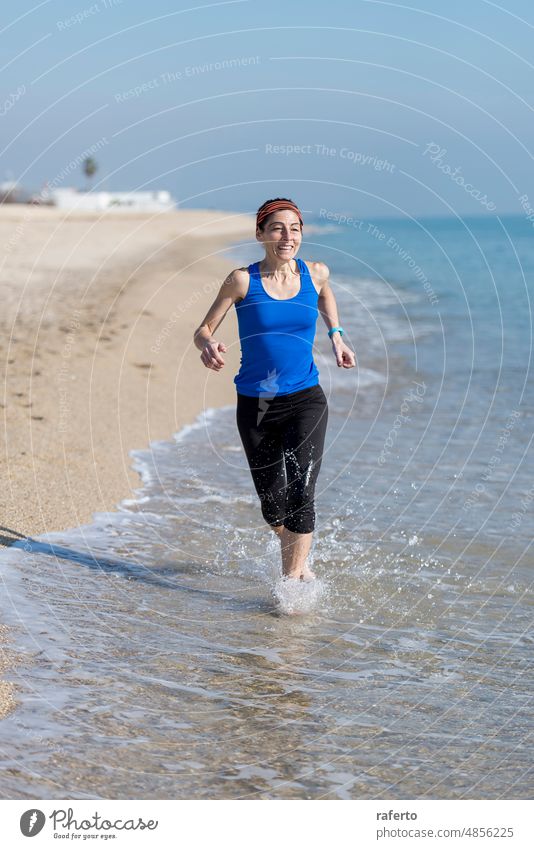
x=277 y=338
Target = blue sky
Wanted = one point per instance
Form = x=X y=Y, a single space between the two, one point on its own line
x=368 y=108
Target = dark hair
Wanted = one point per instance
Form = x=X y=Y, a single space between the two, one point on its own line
x=266 y=203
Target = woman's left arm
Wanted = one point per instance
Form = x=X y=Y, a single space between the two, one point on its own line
x=327 y=306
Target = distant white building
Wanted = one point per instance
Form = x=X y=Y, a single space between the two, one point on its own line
x=69 y=198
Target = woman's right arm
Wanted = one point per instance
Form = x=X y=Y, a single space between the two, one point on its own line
x=232 y=289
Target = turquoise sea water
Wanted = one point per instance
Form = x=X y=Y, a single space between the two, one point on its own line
x=159 y=662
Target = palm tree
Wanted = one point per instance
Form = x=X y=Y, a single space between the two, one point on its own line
x=89 y=169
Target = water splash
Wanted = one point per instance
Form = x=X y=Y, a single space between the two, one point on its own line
x=294 y=596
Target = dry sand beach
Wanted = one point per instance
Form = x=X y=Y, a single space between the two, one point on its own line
x=98 y=312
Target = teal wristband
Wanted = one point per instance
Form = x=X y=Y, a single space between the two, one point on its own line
x=333 y=330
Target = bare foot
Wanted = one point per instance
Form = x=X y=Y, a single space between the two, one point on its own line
x=307 y=574
x=292 y=576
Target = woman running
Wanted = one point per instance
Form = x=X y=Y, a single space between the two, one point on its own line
x=282 y=411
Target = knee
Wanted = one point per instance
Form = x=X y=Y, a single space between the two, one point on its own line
x=300 y=507
x=300 y=525
x=271 y=510
x=301 y=520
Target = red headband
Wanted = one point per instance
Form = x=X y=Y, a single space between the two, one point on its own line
x=274 y=206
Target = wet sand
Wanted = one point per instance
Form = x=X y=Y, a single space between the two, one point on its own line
x=97 y=353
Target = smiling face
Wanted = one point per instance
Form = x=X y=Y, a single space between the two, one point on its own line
x=281 y=235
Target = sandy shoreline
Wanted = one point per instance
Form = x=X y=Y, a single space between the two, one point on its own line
x=97 y=353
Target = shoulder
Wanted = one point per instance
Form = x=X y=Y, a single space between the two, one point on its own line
x=237 y=282
x=320 y=274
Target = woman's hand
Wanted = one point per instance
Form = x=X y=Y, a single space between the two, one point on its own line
x=210 y=355
x=344 y=356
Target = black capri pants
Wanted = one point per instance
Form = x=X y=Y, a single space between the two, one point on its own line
x=283 y=437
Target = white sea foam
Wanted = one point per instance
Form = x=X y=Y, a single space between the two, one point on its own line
x=205 y=416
